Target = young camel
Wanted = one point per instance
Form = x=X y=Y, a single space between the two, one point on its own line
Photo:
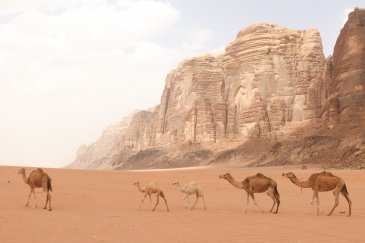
x=191 y=188
x=38 y=179
x=323 y=182
x=148 y=190
x=256 y=184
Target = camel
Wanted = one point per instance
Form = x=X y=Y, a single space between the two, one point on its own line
x=323 y=182
x=191 y=188
x=148 y=190
x=256 y=184
x=311 y=180
x=38 y=179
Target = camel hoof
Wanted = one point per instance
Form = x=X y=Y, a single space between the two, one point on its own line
x=44 y=208
x=50 y=209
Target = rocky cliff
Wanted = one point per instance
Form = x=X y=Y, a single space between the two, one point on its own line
x=271 y=84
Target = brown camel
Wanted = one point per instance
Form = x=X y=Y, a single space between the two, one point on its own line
x=38 y=179
x=148 y=190
x=323 y=182
x=256 y=184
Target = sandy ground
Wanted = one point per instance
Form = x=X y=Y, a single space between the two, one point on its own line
x=102 y=206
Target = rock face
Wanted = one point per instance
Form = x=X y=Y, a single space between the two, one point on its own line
x=269 y=83
x=257 y=86
x=347 y=87
x=98 y=154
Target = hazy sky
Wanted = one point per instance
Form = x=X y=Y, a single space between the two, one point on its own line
x=70 y=68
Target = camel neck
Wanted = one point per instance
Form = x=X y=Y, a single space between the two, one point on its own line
x=303 y=184
x=140 y=188
x=25 y=179
x=235 y=183
x=180 y=187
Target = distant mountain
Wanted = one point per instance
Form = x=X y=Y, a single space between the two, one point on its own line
x=271 y=98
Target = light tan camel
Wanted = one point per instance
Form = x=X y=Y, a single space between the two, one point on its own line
x=148 y=190
x=38 y=179
x=323 y=182
x=256 y=184
x=191 y=188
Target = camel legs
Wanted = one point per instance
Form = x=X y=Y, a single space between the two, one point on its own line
x=167 y=207
x=48 y=200
x=163 y=197
x=35 y=199
x=270 y=193
x=348 y=201
x=186 y=205
x=30 y=193
x=45 y=206
x=202 y=197
x=336 y=193
x=196 y=200
x=186 y=198
x=315 y=196
x=247 y=201
x=157 y=202
x=254 y=201
x=145 y=195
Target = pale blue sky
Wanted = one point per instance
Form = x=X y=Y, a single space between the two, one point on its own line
x=70 y=68
x=226 y=18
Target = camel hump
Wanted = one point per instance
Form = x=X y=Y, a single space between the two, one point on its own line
x=39 y=170
x=260 y=175
x=326 y=173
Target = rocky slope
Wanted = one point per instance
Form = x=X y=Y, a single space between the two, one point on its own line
x=270 y=94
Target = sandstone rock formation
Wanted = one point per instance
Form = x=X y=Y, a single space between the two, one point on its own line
x=99 y=153
x=347 y=87
x=271 y=83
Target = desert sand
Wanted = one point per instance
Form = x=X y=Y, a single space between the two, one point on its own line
x=102 y=206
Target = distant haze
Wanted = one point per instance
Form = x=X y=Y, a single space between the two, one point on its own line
x=70 y=68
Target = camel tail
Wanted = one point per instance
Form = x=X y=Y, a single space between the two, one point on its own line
x=49 y=184
x=162 y=195
x=344 y=190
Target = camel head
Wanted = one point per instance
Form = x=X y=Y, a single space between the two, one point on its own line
x=289 y=175
x=176 y=183
x=226 y=176
x=21 y=171
x=136 y=183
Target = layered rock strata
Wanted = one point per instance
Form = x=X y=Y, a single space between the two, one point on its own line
x=269 y=82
